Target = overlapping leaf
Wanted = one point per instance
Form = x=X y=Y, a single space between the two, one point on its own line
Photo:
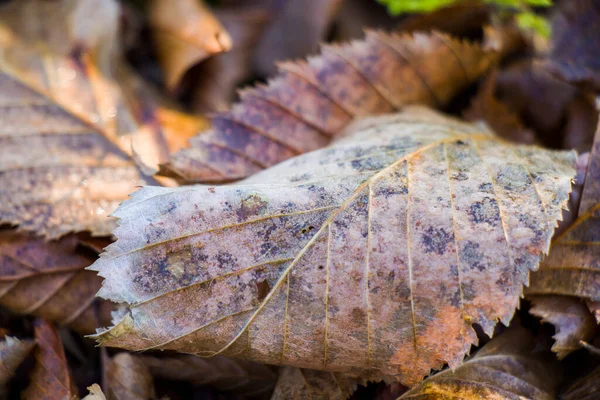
x=226 y=375
x=312 y=101
x=377 y=252
x=572 y=267
x=571 y=318
x=504 y=369
x=48 y=279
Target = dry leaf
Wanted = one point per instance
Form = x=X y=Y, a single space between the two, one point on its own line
x=570 y=317
x=305 y=384
x=572 y=268
x=310 y=102
x=128 y=378
x=585 y=388
x=12 y=353
x=504 y=369
x=594 y=307
x=95 y=393
x=185 y=32
x=48 y=279
x=226 y=375
x=377 y=252
x=576 y=43
x=50 y=378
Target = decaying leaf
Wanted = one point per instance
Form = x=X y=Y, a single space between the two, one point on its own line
x=185 y=32
x=572 y=268
x=571 y=318
x=594 y=307
x=312 y=101
x=128 y=378
x=50 y=378
x=504 y=369
x=585 y=388
x=375 y=253
x=305 y=384
x=58 y=172
x=576 y=43
x=12 y=353
x=224 y=374
x=49 y=280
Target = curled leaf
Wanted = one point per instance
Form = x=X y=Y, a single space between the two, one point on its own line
x=12 y=353
x=310 y=102
x=504 y=369
x=49 y=280
x=185 y=33
x=50 y=378
x=377 y=252
x=226 y=375
x=570 y=317
x=306 y=384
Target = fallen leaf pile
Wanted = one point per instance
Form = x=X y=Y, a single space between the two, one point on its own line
x=412 y=213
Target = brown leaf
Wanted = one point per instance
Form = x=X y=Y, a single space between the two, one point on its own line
x=47 y=279
x=594 y=307
x=50 y=378
x=185 y=32
x=312 y=101
x=377 y=252
x=486 y=107
x=12 y=353
x=576 y=44
x=504 y=369
x=128 y=378
x=572 y=268
x=585 y=388
x=58 y=172
x=305 y=384
x=219 y=76
x=570 y=317
x=226 y=375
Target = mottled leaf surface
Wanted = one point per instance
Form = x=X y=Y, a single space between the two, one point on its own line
x=305 y=384
x=12 y=353
x=571 y=318
x=49 y=280
x=312 y=101
x=377 y=252
x=50 y=378
x=60 y=169
x=572 y=267
x=504 y=369
x=224 y=374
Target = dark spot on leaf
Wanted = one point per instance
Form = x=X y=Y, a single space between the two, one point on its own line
x=435 y=240
x=263 y=288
